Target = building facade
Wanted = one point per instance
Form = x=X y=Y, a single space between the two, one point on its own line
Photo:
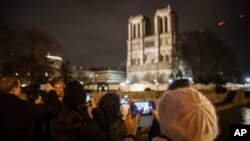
x=81 y=74
x=56 y=62
x=150 y=51
x=110 y=76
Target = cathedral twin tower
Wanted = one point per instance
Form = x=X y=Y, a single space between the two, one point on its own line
x=150 y=52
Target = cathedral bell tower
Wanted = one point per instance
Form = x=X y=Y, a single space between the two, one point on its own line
x=150 y=52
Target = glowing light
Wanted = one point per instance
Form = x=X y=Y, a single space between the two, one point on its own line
x=190 y=79
x=105 y=88
x=170 y=81
x=23 y=85
x=248 y=79
x=246 y=115
x=122 y=84
x=54 y=57
x=137 y=87
x=221 y=23
x=241 y=16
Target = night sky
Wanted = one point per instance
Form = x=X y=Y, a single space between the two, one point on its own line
x=94 y=32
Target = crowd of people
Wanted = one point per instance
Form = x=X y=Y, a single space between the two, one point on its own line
x=61 y=113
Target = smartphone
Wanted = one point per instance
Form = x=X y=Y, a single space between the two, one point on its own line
x=123 y=100
x=89 y=95
x=42 y=87
x=142 y=107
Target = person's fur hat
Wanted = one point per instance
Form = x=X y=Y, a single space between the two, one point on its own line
x=187 y=115
x=74 y=95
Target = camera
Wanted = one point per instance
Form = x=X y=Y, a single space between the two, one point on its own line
x=123 y=100
x=142 y=107
x=88 y=96
x=42 y=87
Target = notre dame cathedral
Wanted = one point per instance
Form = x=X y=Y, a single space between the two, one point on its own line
x=150 y=49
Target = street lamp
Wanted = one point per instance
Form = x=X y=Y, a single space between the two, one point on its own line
x=248 y=80
x=127 y=81
x=190 y=79
x=157 y=84
x=170 y=81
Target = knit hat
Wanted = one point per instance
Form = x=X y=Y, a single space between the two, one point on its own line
x=74 y=95
x=187 y=115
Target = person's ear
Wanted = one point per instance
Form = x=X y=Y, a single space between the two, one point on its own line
x=13 y=90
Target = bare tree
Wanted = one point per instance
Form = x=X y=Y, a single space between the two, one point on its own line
x=207 y=56
x=23 y=52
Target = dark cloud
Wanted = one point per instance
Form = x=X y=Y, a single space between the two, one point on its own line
x=94 y=32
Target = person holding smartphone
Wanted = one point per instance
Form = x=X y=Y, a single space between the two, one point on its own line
x=154 y=130
x=109 y=117
x=17 y=116
x=72 y=121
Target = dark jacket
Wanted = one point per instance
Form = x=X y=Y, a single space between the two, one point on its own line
x=116 y=131
x=88 y=131
x=154 y=130
x=17 y=116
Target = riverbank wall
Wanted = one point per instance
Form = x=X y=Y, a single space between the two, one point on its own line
x=222 y=101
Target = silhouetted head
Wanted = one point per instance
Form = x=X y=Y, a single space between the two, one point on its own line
x=110 y=105
x=10 y=84
x=32 y=92
x=74 y=95
x=179 y=83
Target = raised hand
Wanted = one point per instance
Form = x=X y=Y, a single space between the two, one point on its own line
x=131 y=123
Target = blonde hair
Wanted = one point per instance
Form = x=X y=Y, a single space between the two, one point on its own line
x=187 y=115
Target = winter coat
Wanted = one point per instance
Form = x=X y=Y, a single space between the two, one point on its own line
x=17 y=116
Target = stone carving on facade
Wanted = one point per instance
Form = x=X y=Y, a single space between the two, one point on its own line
x=135 y=78
x=162 y=78
x=164 y=56
x=149 y=77
x=150 y=58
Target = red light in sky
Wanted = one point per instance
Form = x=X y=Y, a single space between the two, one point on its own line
x=221 y=23
x=241 y=16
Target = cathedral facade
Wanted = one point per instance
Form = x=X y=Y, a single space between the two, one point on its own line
x=150 y=49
